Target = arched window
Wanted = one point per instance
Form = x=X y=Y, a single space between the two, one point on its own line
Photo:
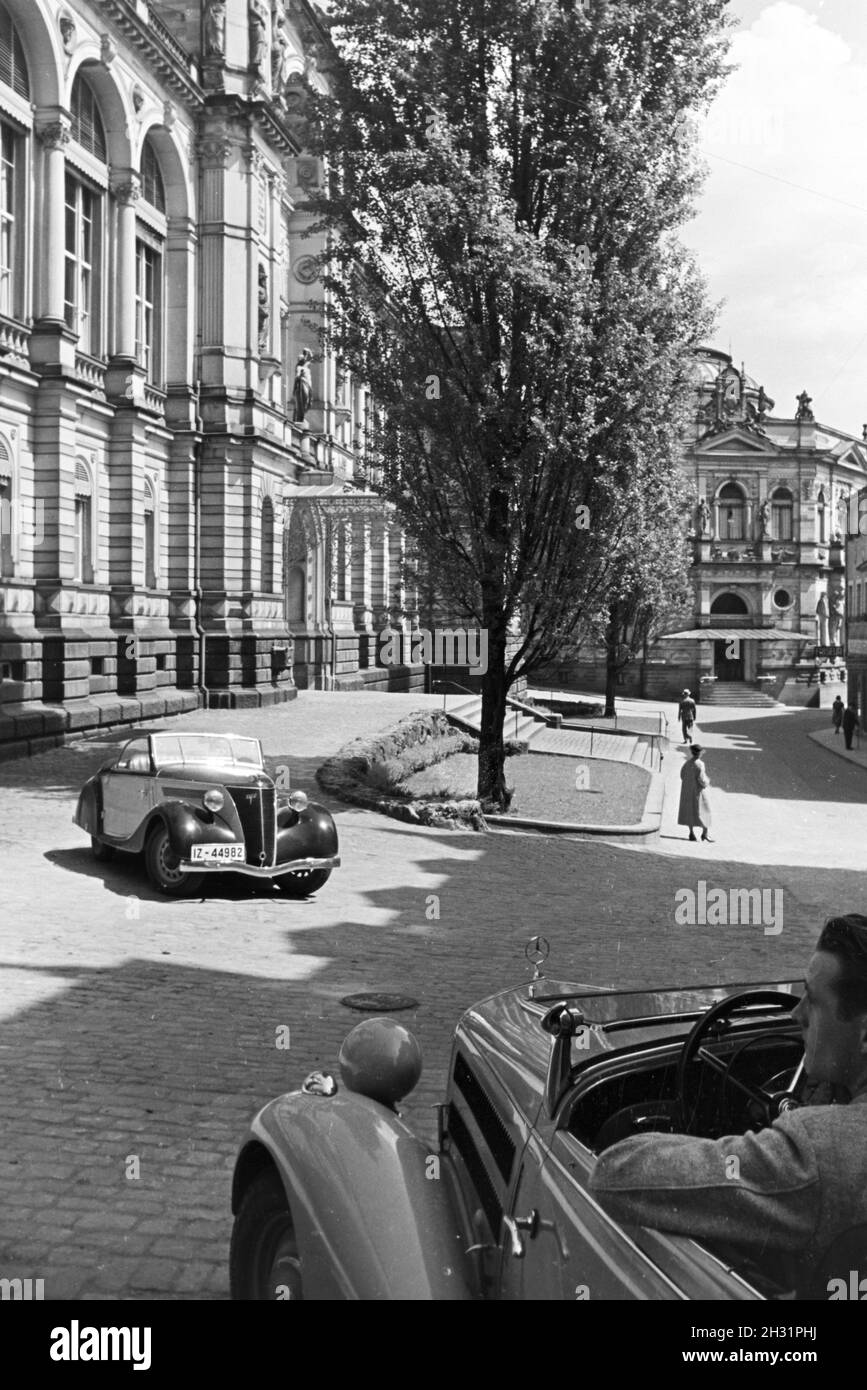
x=821 y=515
x=13 y=74
x=149 y=269
x=83 y=524
x=152 y=187
x=87 y=128
x=84 y=226
x=150 y=536
x=267 y=546
x=7 y=559
x=781 y=514
x=732 y=507
x=729 y=603
x=13 y=66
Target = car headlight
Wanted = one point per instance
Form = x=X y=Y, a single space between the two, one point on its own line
x=214 y=800
x=298 y=801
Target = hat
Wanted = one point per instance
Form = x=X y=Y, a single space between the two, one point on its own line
x=686 y=692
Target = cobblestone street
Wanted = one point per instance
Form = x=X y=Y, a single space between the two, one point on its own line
x=142 y=1028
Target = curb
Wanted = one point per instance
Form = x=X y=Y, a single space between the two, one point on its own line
x=648 y=825
x=843 y=752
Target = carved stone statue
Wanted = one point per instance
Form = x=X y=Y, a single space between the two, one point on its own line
x=260 y=43
x=804 y=412
x=302 y=391
x=215 y=28
x=835 y=622
x=281 y=56
x=765 y=518
x=264 y=309
x=762 y=404
x=703 y=517
x=822 y=620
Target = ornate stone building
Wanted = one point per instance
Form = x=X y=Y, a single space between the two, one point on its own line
x=183 y=486
x=771 y=500
x=856 y=605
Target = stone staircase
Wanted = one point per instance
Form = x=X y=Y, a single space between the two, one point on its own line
x=570 y=743
x=735 y=693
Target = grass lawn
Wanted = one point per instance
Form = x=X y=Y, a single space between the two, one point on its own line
x=545 y=787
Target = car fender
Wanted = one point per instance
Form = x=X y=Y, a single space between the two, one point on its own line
x=187 y=826
x=372 y=1211
x=87 y=811
x=311 y=834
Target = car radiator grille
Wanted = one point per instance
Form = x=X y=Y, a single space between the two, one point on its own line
x=257 y=812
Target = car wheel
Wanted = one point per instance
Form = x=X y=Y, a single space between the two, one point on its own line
x=303 y=882
x=100 y=852
x=164 y=869
x=264 y=1261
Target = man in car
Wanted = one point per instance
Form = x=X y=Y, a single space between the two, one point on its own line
x=801 y=1182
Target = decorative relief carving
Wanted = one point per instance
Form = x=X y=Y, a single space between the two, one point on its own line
x=169 y=115
x=66 y=25
x=306 y=270
x=307 y=172
x=138 y=98
x=55 y=135
x=214 y=149
x=127 y=192
x=107 y=49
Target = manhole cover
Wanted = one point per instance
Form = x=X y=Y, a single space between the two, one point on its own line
x=376 y=1003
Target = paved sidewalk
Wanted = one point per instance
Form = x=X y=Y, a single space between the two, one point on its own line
x=837 y=744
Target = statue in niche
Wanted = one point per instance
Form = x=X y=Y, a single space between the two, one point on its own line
x=215 y=28
x=260 y=45
x=835 y=621
x=264 y=310
x=703 y=517
x=302 y=390
x=765 y=518
x=822 y=620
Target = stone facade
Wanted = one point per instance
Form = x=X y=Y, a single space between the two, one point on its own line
x=183 y=481
x=856 y=603
x=771 y=501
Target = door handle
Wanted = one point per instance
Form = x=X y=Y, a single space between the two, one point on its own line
x=514 y=1225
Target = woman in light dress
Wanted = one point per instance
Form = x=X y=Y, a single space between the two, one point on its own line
x=694 y=801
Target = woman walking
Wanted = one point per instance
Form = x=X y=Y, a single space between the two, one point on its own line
x=694 y=802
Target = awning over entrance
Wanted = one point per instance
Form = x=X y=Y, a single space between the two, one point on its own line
x=727 y=634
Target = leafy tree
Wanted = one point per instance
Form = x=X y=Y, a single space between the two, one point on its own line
x=506 y=185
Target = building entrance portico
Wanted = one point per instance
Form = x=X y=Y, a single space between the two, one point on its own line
x=729 y=654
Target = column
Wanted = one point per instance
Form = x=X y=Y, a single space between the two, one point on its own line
x=54 y=138
x=127 y=192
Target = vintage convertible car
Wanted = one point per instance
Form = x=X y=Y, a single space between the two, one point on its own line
x=202 y=804
x=335 y=1198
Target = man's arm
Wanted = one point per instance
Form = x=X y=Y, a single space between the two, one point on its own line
x=759 y=1190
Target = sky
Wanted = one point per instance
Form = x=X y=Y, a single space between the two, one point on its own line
x=781 y=227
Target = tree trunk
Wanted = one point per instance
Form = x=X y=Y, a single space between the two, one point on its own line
x=611 y=667
x=491 y=789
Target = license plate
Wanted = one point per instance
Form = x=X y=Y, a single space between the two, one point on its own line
x=216 y=854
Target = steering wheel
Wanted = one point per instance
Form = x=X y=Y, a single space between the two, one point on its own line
x=716 y=1022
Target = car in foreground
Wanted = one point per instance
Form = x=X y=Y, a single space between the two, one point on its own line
x=334 y=1196
x=202 y=804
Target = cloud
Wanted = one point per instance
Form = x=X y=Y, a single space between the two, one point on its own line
x=780 y=238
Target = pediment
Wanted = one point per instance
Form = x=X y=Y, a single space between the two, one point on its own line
x=854 y=456
x=735 y=441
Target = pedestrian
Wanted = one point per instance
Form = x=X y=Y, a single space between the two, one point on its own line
x=686 y=715
x=837 y=714
x=694 y=806
x=850 y=723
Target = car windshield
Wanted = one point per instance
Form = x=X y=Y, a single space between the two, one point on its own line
x=205 y=748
